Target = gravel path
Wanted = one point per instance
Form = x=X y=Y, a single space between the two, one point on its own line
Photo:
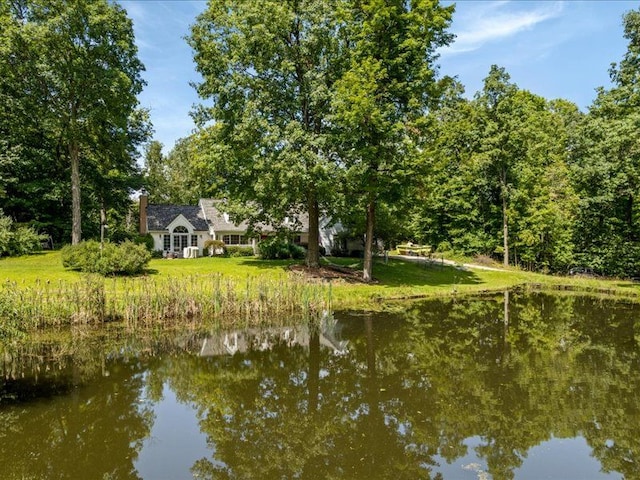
x=444 y=261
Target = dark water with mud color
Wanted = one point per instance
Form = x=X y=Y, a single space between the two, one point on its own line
x=512 y=386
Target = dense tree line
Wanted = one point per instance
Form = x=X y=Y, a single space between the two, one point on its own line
x=507 y=174
x=324 y=108
x=537 y=182
x=500 y=180
x=69 y=117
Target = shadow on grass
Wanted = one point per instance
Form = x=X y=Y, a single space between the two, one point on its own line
x=397 y=273
x=269 y=264
x=394 y=273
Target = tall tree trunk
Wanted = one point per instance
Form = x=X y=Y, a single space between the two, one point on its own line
x=103 y=223
x=76 y=212
x=505 y=224
x=367 y=270
x=313 y=248
x=314 y=369
x=631 y=234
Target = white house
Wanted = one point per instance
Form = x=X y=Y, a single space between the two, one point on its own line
x=175 y=227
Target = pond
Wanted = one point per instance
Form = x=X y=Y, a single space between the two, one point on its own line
x=516 y=385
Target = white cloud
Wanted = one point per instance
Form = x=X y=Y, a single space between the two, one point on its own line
x=491 y=21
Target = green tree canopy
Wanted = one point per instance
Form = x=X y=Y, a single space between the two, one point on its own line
x=606 y=168
x=80 y=73
x=268 y=67
x=380 y=101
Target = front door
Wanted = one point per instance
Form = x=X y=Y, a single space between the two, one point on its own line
x=180 y=239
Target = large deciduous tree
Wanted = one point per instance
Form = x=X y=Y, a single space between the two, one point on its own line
x=381 y=99
x=32 y=179
x=607 y=167
x=499 y=179
x=84 y=76
x=268 y=66
x=499 y=151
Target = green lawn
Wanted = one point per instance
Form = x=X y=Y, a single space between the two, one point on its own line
x=48 y=266
x=394 y=280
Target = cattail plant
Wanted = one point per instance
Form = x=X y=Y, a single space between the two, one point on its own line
x=157 y=301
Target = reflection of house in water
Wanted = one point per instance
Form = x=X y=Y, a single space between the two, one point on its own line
x=241 y=341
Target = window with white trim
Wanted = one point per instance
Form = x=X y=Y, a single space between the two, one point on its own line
x=180 y=238
x=234 y=239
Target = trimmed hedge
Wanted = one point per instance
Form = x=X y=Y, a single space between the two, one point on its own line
x=235 y=251
x=124 y=259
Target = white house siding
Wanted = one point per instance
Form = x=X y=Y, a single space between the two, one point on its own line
x=179 y=238
x=207 y=221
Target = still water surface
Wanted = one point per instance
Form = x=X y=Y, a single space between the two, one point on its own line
x=524 y=386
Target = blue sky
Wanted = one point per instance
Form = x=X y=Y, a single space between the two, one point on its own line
x=557 y=49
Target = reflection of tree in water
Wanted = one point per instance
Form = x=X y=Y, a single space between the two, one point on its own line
x=541 y=387
x=295 y=413
x=70 y=408
x=415 y=387
x=409 y=391
x=607 y=381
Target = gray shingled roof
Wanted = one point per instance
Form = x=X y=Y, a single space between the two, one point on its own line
x=203 y=216
x=160 y=216
x=216 y=217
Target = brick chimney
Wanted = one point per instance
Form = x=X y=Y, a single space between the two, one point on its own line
x=144 y=201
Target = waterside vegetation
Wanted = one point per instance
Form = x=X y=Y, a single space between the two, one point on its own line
x=154 y=299
x=36 y=291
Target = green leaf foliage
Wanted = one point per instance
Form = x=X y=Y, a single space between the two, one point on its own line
x=606 y=168
x=380 y=100
x=499 y=181
x=90 y=256
x=70 y=122
x=17 y=240
x=268 y=68
x=278 y=249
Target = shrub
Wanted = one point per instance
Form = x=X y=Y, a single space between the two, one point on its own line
x=274 y=248
x=5 y=235
x=131 y=259
x=124 y=259
x=146 y=240
x=236 y=251
x=19 y=240
x=215 y=246
x=339 y=252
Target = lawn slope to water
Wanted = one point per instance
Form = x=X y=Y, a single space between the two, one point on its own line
x=395 y=280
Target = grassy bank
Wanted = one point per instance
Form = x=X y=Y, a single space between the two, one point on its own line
x=177 y=292
x=399 y=280
x=39 y=289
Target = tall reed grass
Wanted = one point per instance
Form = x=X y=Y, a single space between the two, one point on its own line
x=151 y=301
